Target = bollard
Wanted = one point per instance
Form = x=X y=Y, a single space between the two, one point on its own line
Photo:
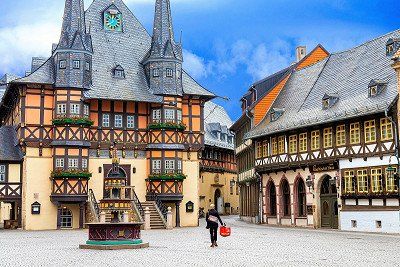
x=102 y=217
x=169 y=219
x=147 y=219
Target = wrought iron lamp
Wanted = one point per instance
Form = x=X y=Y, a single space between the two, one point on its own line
x=310 y=183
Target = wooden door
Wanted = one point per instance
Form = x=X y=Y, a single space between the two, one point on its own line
x=329 y=205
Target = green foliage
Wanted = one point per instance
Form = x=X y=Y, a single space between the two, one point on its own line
x=73 y=121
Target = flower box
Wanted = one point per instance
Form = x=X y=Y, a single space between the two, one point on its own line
x=72 y=121
x=71 y=174
x=167 y=177
x=167 y=126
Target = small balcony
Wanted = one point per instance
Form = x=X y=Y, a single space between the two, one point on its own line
x=167 y=187
x=70 y=186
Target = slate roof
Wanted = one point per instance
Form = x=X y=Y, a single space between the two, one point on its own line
x=4 y=81
x=9 y=150
x=115 y=48
x=217 y=120
x=347 y=75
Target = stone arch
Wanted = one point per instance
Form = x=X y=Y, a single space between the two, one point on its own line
x=285 y=198
x=271 y=198
x=299 y=197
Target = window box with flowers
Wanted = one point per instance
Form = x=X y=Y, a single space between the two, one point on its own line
x=72 y=121
x=167 y=126
x=167 y=177
x=71 y=174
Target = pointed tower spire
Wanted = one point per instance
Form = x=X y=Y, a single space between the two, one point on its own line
x=73 y=55
x=163 y=62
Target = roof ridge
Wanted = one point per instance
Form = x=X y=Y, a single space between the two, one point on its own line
x=366 y=42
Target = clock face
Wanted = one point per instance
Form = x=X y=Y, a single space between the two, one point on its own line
x=113 y=22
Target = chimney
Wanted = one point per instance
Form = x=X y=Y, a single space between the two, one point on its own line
x=301 y=52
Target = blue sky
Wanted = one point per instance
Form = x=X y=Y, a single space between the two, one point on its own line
x=229 y=44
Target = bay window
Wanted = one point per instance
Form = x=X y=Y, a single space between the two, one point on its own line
x=2 y=173
x=169 y=115
x=75 y=110
x=156 y=166
x=157 y=115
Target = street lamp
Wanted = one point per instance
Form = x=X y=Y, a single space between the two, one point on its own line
x=310 y=183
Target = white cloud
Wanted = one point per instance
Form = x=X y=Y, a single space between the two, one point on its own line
x=196 y=66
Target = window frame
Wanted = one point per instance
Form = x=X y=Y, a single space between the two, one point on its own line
x=156 y=166
x=341 y=135
x=87 y=66
x=169 y=73
x=281 y=145
x=61 y=109
x=362 y=181
x=390 y=182
x=84 y=164
x=72 y=165
x=3 y=173
x=156 y=72
x=130 y=122
x=293 y=144
x=60 y=163
x=169 y=115
x=376 y=180
x=75 y=109
x=328 y=137
x=118 y=118
x=265 y=148
x=303 y=142
x=386 y=128
x=315 y=140
x=169 y=166
x=348 y=182
x=86 y=110
x=355 y=133
x=105 y=120
x=156 y=115
x=274 y=146
x=370 y=131
x=76 y=64
x=62 y=64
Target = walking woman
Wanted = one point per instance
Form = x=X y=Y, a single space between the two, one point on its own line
x=212 y=219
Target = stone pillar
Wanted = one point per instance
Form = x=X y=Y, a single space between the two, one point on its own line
x=169 y=219
x=59 y=216
x=125 y=217
x=178 y=214
x=81 y=215
x=147 y=225
x=102 y=217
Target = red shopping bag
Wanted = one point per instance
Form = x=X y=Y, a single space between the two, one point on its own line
x=225 y=231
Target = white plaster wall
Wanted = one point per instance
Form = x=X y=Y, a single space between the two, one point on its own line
x=361 y=163
x=366 y=221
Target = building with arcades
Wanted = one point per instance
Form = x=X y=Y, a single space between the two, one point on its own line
x=326 y=150
x=107 y=85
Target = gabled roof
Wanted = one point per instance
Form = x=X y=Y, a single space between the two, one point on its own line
x=9 y=149
x=127 y=49
x=217 y=120
x=346 y=74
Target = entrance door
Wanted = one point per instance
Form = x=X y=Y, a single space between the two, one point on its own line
x=329 y=205
x=219 y=205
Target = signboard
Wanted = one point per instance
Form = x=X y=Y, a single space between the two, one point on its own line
x=324 y=167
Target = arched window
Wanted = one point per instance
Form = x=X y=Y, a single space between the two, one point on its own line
x=272 y=199
x=286 y=198
x=301 y=198
x=66 y=218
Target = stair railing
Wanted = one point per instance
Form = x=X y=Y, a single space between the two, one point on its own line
x=92 y=200
x=137 y=203
x=152 y=196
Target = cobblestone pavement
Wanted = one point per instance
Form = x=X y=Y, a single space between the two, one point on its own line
x=250 y=245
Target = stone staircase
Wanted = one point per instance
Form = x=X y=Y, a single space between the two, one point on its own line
x=156 y=221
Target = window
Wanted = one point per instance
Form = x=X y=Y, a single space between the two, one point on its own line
x=373 y=90
x=61 y=109
x=391 y=185
x=390 y=49
x=370 y=131
x=2 y=173
x=170 y=73
x=76 y=64
x=314 y=140
x=157 y=115
x=74 y=109
x=303 y=142
x=340 y=135
x=265 y=149
x=259 y=150
x=62 y=64
x=286 y=198
x=156 y=73
x=281 y=144
x=376 y=180
x=274 y=146
x=170 y=166
x=106 y=120
x=362 y=181
x=348 y=182
x=179 y=116
x=118 y=121
x=386 y=130
x=328 y=138
x=179 y=166
x=119 y=73
x=169 y=115
x=87 y=66
x=302 y=199
x=156 y=166
x=73 y=163
x=86 y=110
x=84 y=164
x=325 y=103
x=130 y=122
x=354 y=133
x=272 y=199
x=293 y=144
x=59 y=163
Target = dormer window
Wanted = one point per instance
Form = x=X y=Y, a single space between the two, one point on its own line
x=329 y=101
x=376 y=87
x=119 y=72
x=76 y=64
x=63 y=64
x=276 y=114
x=392 y=45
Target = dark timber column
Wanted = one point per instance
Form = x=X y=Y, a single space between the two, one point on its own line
x=58 y=216
x=178 y=214
x=81 y=215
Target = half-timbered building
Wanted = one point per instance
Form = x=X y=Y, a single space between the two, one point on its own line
x=327 y=148
x=218 y=171
x=107 y=84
